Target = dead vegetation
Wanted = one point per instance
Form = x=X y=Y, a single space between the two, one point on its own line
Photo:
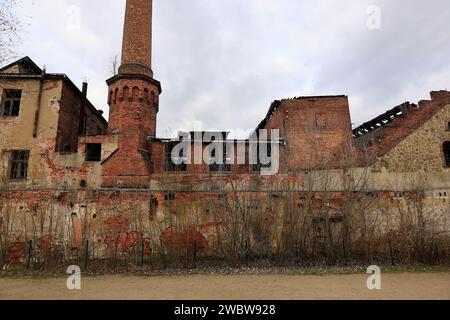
x=9 y=29
x=312 y=217
x=283 y=227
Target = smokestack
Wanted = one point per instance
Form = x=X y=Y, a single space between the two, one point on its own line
x=137 y=38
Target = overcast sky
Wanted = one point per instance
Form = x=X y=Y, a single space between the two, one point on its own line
x=222 y=62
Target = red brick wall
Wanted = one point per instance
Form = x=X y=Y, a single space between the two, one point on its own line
x=133 y=101
x=137 y=38
x=133 y=109
x=69 y=119
x=94 y=124
x=68 y=122
x=317 y=131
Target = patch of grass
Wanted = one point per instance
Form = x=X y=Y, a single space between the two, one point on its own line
x=416 y=268
x=226 y=271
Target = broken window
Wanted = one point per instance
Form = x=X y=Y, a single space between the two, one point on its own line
x=19 y=164
x=447 y=153
x=225 y=166
x=11 y=103
x=94 y=152
x=170 y=165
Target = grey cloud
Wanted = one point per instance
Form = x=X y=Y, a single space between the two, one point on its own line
x=222 y=62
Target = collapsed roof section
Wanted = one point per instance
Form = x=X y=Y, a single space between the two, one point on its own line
x=383 y=133
x=384 y=119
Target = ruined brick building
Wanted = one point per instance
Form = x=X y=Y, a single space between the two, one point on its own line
x=57 y=150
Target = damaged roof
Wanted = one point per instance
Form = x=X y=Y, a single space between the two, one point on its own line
x=274 y=106
x=384 y=119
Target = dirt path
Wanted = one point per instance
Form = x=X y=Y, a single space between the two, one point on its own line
x=258 y=287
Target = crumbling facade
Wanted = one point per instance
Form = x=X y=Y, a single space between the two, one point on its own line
x=114 y=183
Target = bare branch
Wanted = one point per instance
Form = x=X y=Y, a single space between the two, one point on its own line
x=9 y=29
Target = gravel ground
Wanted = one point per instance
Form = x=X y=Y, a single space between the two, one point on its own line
x=434 y=285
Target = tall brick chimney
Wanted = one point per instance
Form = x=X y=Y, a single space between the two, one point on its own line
x=137 y=38
x=133 y=101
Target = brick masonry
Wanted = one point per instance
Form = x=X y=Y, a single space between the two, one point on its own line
x=137 y=38
x=131 y=176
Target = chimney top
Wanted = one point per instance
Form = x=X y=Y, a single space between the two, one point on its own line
x=137 y=39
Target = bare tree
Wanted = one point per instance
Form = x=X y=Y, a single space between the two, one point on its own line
x=9 y=28
x=114 y=65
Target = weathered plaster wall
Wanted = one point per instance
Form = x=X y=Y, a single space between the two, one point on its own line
x=16 y=133
x=117 y=221
x=58 y=122
x=422 y=150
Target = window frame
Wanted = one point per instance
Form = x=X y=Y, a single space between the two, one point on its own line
x=12 y=96
x=22 y=157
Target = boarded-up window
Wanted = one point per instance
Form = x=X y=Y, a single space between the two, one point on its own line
x=447 y=153
x=11 y=103
x=19 y=164
x=93 y=152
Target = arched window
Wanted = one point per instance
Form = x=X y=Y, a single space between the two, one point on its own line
x=447 y=153
x=135 y=94
x=116 y=93
x=145 y=95
x=448 y=126
x=110 y=98
x=126 y=94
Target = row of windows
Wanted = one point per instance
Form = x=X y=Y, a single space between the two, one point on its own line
x=94 y=150
x=225 y=166
x=19 y=161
